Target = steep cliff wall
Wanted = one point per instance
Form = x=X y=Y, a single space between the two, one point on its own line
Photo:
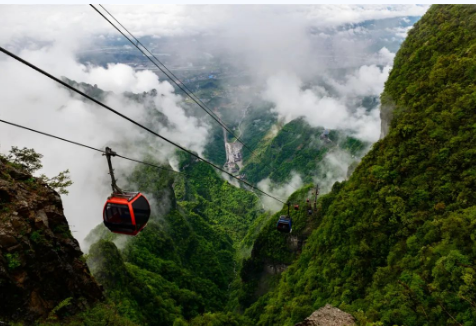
x=396 y=243
x=40 y=262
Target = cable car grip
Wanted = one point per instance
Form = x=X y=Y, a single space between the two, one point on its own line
x=115 y=189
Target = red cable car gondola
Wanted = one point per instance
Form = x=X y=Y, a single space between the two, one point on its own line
x=124 y=212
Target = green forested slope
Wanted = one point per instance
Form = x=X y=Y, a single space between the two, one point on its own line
x=273 y=251
x=393 y=245
x=396 y=243
x=298 y=147
x=181 y=265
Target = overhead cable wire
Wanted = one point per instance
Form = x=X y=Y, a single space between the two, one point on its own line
x=131 y=120
x=89 y=147
x=190 y=93
x=137 y=43
x=166 y=71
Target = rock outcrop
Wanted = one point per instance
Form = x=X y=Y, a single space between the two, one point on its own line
x=41 y=263
x=328 y=316
x=386 y=114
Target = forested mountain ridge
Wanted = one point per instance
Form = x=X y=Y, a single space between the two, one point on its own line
x=183 y=263
x=393 y=245
x=298 y=147
x=396 y=241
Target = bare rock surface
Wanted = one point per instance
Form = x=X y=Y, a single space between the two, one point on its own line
x=41 y=263
x=328 y=316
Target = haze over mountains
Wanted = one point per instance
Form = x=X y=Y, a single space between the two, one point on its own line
x=326 y=64
x=389 y=240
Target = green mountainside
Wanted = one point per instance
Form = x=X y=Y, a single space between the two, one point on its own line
x=186 y=258
x=396 y=242
x=298 y=147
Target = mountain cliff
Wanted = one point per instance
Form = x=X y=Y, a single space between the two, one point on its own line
x=395 y=243
x=41 y=265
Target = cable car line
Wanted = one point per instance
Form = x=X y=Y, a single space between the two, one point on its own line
x=49 y=135
x=188 y=92
x=182 y=87
x=105 y=106
x=132 y=121
x=121 y=156
x=90 y=147
x=137 y=42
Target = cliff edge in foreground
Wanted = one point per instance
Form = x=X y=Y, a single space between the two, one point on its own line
x=41 y=263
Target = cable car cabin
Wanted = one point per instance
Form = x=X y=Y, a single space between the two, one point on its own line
x=126 y=213
x=284 y=224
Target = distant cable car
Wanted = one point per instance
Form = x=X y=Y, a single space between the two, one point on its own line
x=309 y=207
x=285 y=223
x=124 y=212
x=315 y=200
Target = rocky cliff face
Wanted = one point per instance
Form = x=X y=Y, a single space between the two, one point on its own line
x=40 y=262
x=387 y=107
x=328 y=316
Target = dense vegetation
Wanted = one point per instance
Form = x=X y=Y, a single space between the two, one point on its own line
x=181 y=265
x=274 y=251
x=396 y=243
x=298 y=147
x=393 y=245
x=215 y=148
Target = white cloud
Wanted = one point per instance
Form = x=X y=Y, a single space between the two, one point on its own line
x=335 y=15
x=402 y=31
x=335 y=164
x=282 y=191
x=319 y=109
x=32 y=100
x=45 y=21
x=385 y=57
x=121 y=78
x=365 y=81
x=273 y=42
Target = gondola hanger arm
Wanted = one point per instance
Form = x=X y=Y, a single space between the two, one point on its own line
x=115 y=189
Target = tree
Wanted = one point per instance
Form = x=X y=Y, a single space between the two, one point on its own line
x=30 y=160
x=59 y=182
x=26 y=157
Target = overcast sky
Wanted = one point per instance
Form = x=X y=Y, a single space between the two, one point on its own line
x=286 y=46
x=44 y=22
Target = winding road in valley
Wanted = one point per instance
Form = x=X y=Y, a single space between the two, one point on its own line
x=234 y=155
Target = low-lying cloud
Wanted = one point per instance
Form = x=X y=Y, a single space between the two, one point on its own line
x=281 y=191
x=321 y=109
x=32 y=100
x=179 y=20
x=283 y=49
